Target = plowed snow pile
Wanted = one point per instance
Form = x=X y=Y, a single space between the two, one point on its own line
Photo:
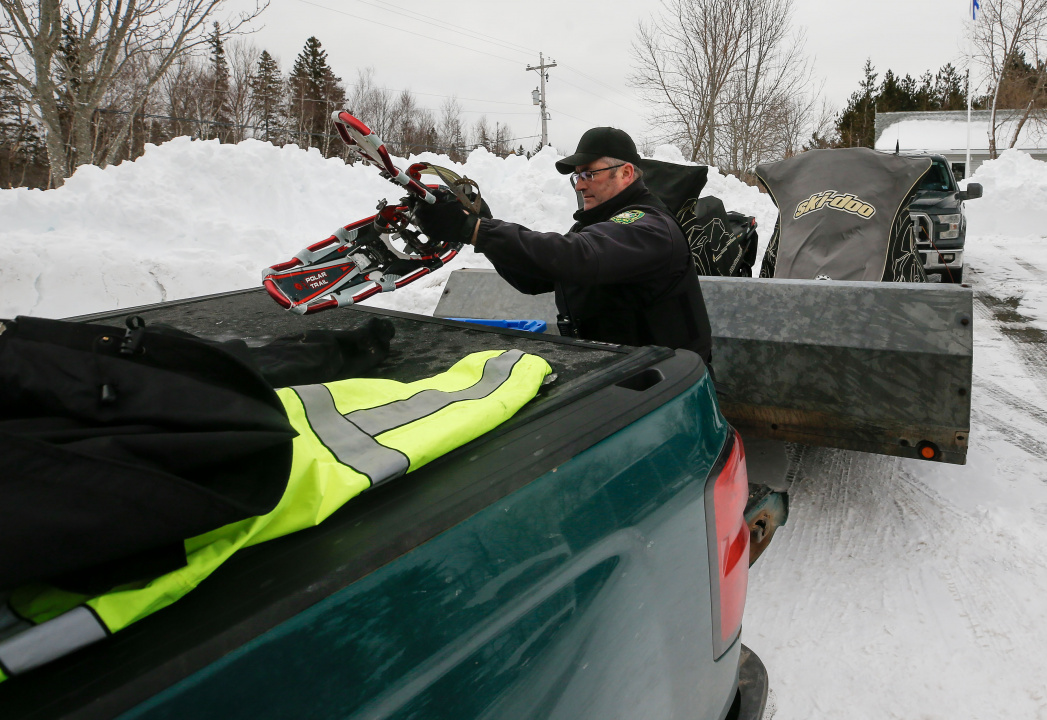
x=191 y=218
x=899 y=589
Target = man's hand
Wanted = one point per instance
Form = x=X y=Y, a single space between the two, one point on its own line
x=447 y=220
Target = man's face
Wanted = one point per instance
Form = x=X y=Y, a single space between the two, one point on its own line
x=604 y=185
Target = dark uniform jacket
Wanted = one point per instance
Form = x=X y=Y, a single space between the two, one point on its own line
x=623 y=273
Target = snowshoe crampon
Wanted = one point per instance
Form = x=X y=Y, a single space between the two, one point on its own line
x=380 y=253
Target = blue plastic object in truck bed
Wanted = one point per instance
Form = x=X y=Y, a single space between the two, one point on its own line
x=535 y=326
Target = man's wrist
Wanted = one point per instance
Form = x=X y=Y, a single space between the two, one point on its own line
x=476 y=231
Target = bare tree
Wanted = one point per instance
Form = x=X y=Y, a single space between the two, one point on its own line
x=1007 y=31
x=111 y=35
x=502 y=137
x=727 y=79
x=452 y=131
x=684 y=60
x=183 y=90
x=369 y=100
x=766 y=103
x=482 y=134
x=426 y=137
x=243 y=56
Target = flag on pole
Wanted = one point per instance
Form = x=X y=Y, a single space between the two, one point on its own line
x=975 y=7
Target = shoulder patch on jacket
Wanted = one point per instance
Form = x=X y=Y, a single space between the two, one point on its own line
x=627 y=217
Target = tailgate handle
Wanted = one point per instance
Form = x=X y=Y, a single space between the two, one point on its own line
x=642 y=380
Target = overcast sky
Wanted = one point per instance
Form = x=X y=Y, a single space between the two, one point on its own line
x=478 y=50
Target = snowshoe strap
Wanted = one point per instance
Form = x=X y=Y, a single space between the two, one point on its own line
x=459 y=185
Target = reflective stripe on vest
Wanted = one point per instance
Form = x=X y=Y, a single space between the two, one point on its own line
x=352 y=434
x=352 y=437
x=33 y=647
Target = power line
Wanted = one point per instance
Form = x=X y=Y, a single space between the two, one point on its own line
x=444 y=25
x=590 y=78
x=573 y=117
x=602 y=97
x=470 y=49
x=455 y=97
x=410 y=32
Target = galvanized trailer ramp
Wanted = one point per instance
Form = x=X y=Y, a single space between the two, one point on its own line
x=876 y=367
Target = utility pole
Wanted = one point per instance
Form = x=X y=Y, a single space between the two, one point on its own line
x=539 y=99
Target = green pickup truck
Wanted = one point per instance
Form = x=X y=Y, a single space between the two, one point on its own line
x=586 y=559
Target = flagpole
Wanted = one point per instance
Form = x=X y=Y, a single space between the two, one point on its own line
x=967 y=169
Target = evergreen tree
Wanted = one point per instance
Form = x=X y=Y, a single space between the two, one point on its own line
x=819 y=142
x=950 y=89
x=895 y=94
x=22 y=156
x=1022 y=84
x=314 y=93
x=267 y=95
x=924 y=95
x=944 y=90
x=70 y=73
x=69 y=76
x=857 y=123
x=482 y=134
x=218 y=111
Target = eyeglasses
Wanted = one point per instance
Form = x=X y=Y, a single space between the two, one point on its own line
x=588 y=175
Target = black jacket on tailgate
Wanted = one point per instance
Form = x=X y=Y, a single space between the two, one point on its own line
x=120 y=444
x=623 y=273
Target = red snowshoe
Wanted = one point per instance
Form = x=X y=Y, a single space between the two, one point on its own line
x=362 y=258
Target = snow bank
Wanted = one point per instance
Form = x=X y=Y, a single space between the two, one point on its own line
x=1015 y=200
x=187 y=218
x=196 y=217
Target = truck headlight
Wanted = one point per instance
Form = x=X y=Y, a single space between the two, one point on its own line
x=952 y=229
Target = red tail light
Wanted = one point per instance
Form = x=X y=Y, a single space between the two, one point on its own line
x=728 y=546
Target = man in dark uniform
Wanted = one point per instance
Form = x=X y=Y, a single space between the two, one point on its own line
x=622 y=274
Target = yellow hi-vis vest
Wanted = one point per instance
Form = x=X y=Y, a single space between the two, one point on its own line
x=352 y=434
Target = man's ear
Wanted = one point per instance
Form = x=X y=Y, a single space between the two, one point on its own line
x=629 y=171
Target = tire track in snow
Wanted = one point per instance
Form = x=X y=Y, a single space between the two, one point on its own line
x=879 y=567
x=1028 y=342
x=1005 y=397
x=1014 y=435
x=986 y=607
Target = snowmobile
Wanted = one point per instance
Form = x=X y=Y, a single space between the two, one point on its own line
x=844 y=215
x=722 y=243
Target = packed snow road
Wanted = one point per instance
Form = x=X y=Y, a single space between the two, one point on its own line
x=902 y=589
x=899 y=589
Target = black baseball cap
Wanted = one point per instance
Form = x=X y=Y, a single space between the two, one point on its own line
x=597 y=143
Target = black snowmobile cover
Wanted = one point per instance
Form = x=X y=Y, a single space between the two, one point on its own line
x=715 y=249
x=843 y=215
x=119 y=444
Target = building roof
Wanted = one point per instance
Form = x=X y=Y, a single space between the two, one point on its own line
x=946 y=131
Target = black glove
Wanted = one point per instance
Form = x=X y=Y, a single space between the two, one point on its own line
x=447 y=220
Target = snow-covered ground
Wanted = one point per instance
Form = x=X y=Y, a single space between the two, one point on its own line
x=899 y=589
